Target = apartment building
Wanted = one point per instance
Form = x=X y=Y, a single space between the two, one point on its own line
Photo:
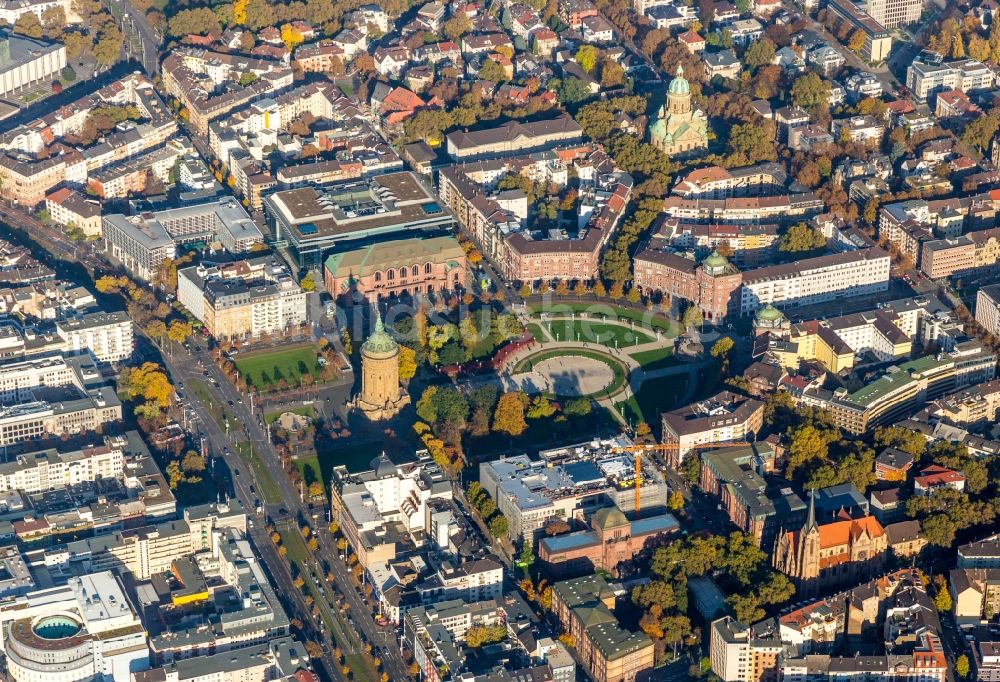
x=973 y=252
x=245 y=298
x=499 y=221
x=924 y=79
x=281 y=658
x=513 y=138
x=901 y=390
x=722 y=418
x=149 y=550
x=70 y=209
x=107 y=336
x=185 y=70
x=744 y=653
x=39 y=472
x=748 y=210
x=816 y=280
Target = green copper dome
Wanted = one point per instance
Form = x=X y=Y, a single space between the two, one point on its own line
x=379 y=343
x=680 y=86
x=769 y=314
x=716 y=261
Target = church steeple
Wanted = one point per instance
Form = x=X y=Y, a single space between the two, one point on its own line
x=811 y=516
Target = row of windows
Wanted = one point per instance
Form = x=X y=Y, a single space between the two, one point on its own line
x=390 y=274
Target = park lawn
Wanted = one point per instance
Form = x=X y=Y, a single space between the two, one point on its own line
x=598 y=310
x=656 y=358
x=269 y=491
x=268 y=367
x=592 y=331
x=655 y=396
x=536 y=331
x=303 y=410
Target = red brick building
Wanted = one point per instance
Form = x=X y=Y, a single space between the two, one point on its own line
x=613 y=540
x=713 y=285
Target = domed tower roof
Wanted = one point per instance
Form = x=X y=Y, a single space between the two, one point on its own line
x=769 y=314
x=716 y=261
x=609 y=517
x=679 y=85
x=379 y=343
x=383 y=466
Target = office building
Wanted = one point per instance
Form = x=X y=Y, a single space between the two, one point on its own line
x=584 y=607
x=816 y=280
x=141 y=243
x=313 y=221
x=878 y=40
x=927 y=78
x=84 y=630
x=28 y=61
x=988 y=308
x=244 y=298
x=567 y=483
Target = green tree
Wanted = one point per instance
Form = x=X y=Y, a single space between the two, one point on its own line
x=751 y=143
x=897 y=437
x=492 y=71
x=942 y=598
x=856 y=41
x=197 y=21
x=810 y=92
x=457 y=26
x=676 y=501
x=28 y=25
x=498 y=526
x=981 y=131
x=193 y=462
x=692 y=317
x=573 y=90
x=801 y=238
x=807 y=445
x=962 y=666
x=759 y=53
x=308 y=283
x=586 y=57
x=108 y=46
x=509 y=415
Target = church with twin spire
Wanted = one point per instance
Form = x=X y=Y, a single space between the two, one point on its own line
x=821 y=558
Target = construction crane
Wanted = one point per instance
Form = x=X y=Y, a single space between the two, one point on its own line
x=666 y=447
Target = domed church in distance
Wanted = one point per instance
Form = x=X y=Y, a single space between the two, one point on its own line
x=678 y=129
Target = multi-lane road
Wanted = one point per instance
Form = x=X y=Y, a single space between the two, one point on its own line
x=187 y=366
